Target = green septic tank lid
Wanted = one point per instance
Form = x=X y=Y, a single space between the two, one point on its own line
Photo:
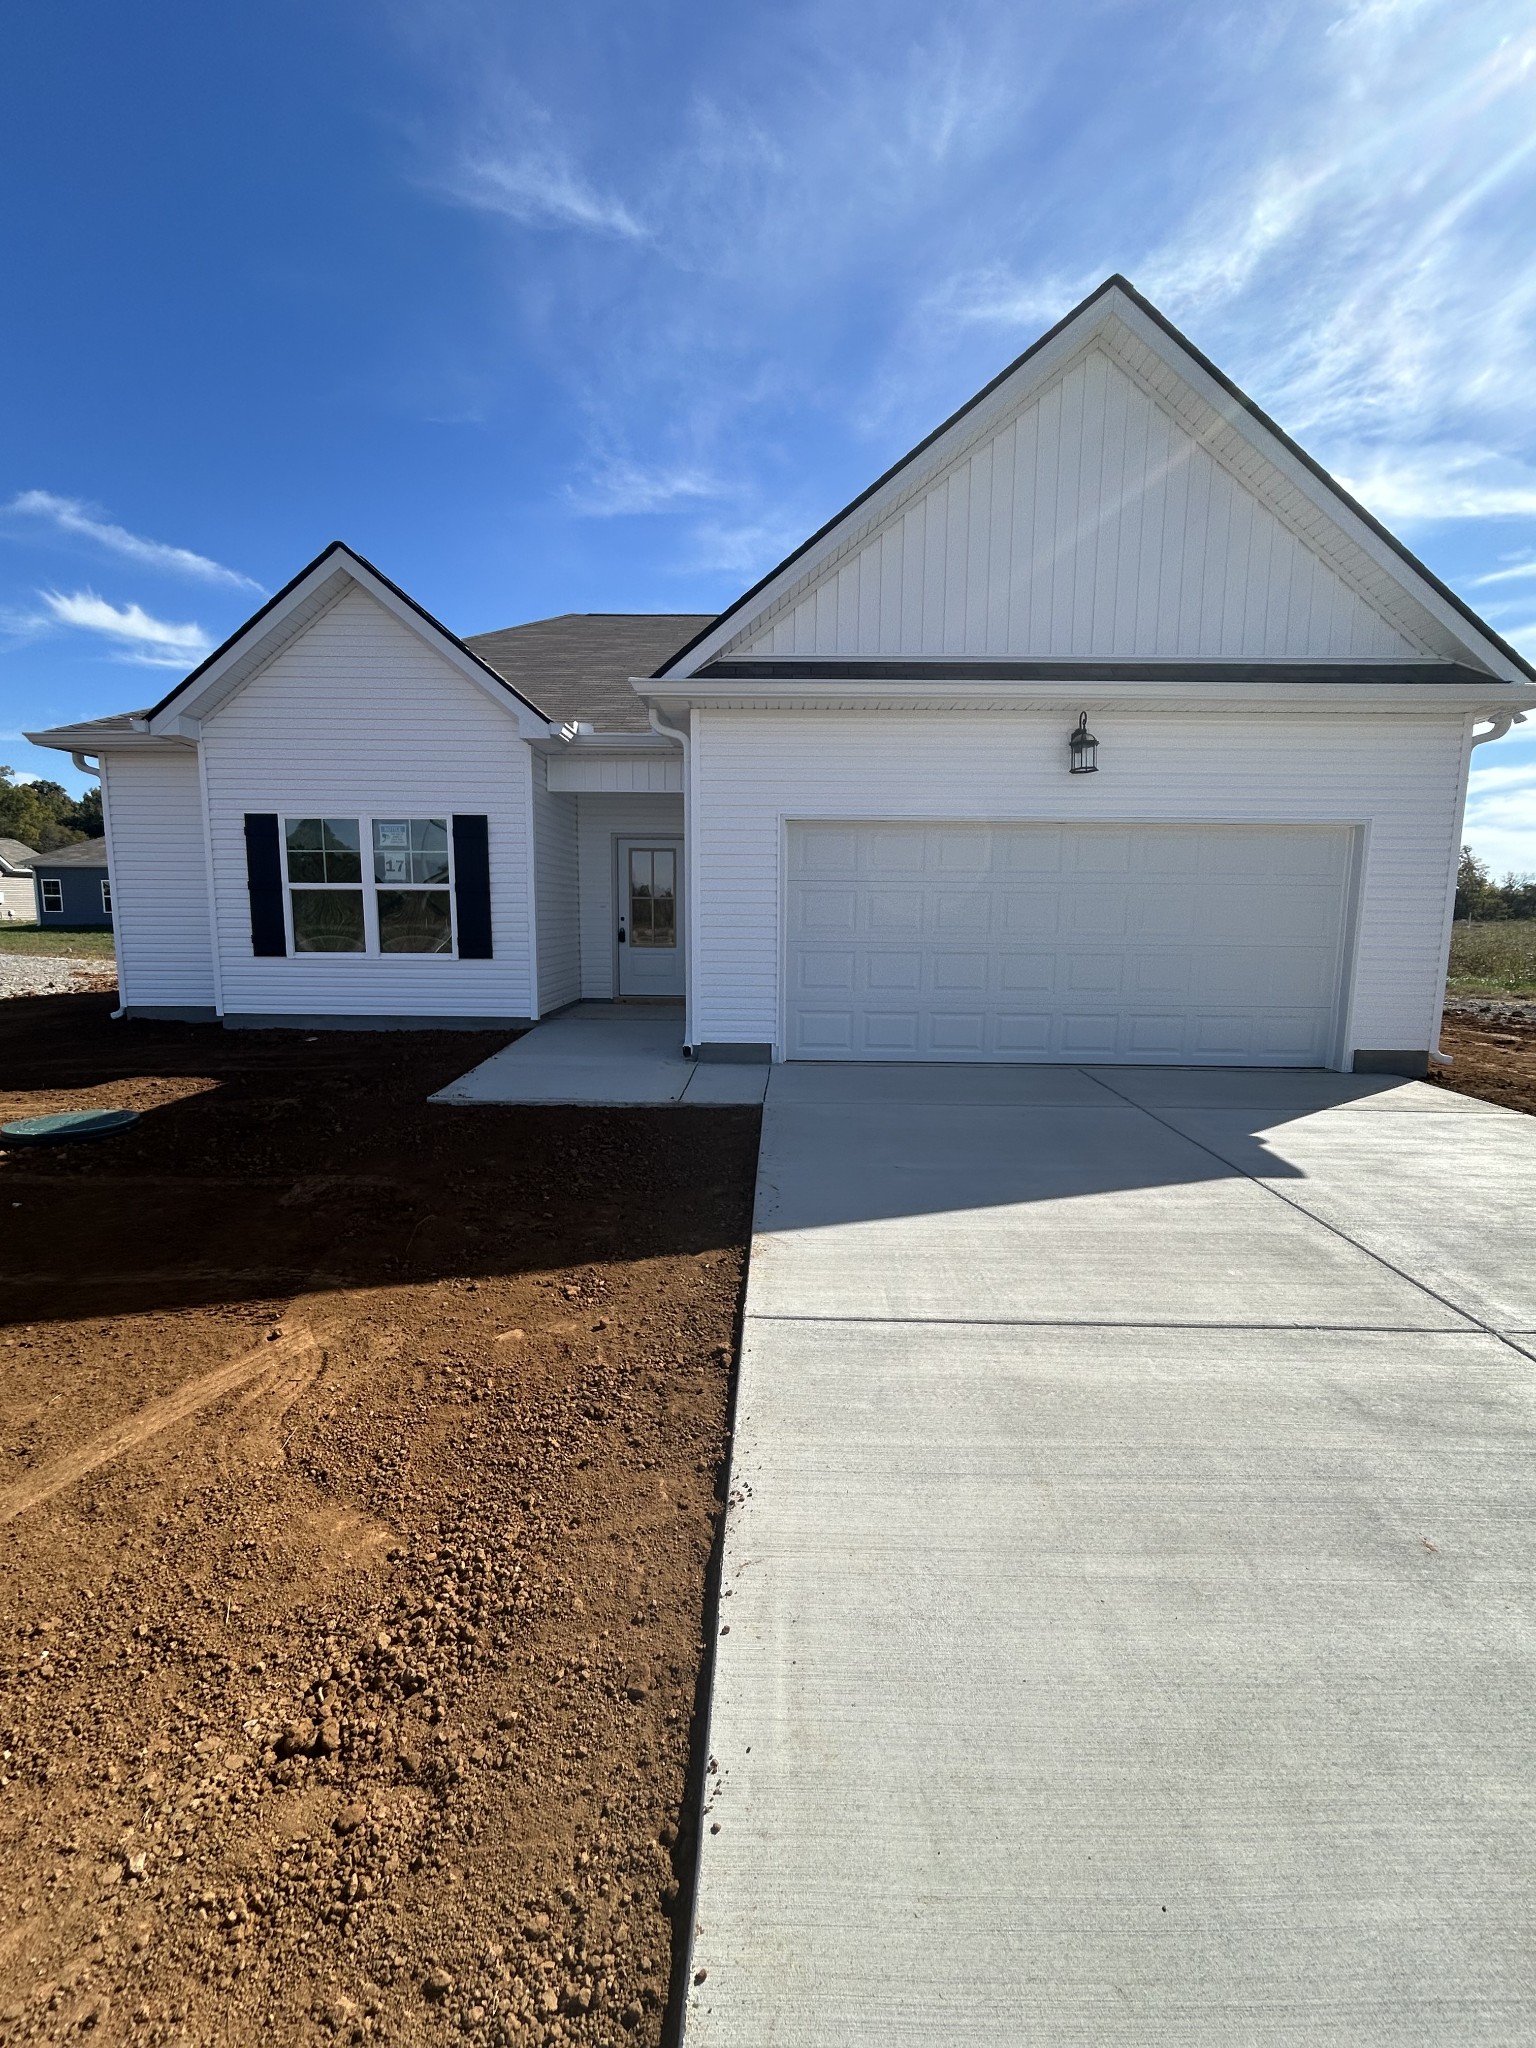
x=67 y=1124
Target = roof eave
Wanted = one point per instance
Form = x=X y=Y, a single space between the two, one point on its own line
x=86 y=739
x=812 y=693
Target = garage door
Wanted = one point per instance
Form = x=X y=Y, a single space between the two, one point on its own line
x=1213 y=944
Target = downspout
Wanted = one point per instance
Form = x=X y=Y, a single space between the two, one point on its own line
x=90 y=764
x=691 y=907
x=1499 y=724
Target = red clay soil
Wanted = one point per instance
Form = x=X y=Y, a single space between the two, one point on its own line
x=1493 y=1060
x=360 y=1469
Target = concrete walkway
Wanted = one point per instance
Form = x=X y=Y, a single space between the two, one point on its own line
x=607 y=1056
x=1126 y=1632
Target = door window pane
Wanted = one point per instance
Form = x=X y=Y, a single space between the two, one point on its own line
x=327 y=920
x=652 y=896
x=415 y=921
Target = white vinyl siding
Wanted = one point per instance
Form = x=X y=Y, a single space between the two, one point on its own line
x=1188 y=944
x=601 y=819
x=358 y=717
x=617 y=774
x=556 y=896
x=1396 y=780
x=1092 y=524
x=153 y=805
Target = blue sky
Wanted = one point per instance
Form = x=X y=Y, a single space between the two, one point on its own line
x=604 y=307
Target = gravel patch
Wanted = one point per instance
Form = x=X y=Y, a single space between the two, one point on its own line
x=1493 y=1009
x=40 y=975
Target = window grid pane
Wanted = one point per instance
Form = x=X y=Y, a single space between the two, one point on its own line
x=323 y=850
x=411 y=871
x=328 y=921
x=652 y=896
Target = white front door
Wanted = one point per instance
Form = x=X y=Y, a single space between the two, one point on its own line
x=650 y=905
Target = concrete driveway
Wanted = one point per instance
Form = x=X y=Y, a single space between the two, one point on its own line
x=1126 y=1631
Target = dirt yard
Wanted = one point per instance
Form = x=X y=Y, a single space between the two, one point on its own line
x=1492 y=1057
x=361 y=1470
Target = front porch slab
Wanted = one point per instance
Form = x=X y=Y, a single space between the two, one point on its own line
x=606 y=1056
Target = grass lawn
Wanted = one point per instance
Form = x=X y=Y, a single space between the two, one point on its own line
x=31 y=938
x=1493 y=959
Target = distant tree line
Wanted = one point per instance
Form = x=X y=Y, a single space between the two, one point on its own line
x=1479 y=896
x=44 y=814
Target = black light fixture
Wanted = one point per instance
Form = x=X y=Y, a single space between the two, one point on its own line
x=1084 y=749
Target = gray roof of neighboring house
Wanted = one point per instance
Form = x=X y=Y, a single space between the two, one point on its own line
x=579 y=664
x=85 y=853
x=16 y=853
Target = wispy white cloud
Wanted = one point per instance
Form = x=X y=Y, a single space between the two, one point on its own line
x=1443 y=483
x=620 y=488
x=539 y=188
x=138 y=636
x=748 y=550
x=1357 y=254
x=509 y=157
x=1503 y=779
x=1517 y=572
x=73 y=516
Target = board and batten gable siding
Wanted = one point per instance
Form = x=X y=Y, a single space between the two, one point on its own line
x=621 y=775
x=556 y=895
x=153 y=806
x=601 y=819
x=1092 y=524
x=358 y=717
x=1398 y=781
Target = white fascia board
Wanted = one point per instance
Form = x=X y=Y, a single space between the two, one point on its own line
x=1328 y=501
x=833 y=695
x=313 y=594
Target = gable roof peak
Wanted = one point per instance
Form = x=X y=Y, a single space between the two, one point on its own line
x=293 y=608
x=1379 y=569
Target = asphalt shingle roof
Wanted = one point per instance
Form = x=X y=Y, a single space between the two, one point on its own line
x=578 y=665
x=85 y=853
x=17 y=852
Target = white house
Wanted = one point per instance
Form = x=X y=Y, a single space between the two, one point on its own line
x=841 y=820
x=18 y=891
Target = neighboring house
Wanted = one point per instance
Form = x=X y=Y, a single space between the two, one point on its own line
x=74 y=888
x=840 y=820
x=18 y=898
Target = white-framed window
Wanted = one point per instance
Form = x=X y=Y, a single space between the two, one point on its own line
x=52 y=896
x=106 y=899
x=404 y=904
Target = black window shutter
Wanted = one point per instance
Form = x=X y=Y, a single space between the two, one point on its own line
x=264 y=873
x=472 y=886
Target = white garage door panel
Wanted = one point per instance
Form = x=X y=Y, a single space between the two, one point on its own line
x=1040 y=942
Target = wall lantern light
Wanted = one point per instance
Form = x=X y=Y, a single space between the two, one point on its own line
x=1084 y=749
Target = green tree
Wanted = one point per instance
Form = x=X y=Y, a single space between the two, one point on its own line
x=1480 y=897
x=45 y=815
